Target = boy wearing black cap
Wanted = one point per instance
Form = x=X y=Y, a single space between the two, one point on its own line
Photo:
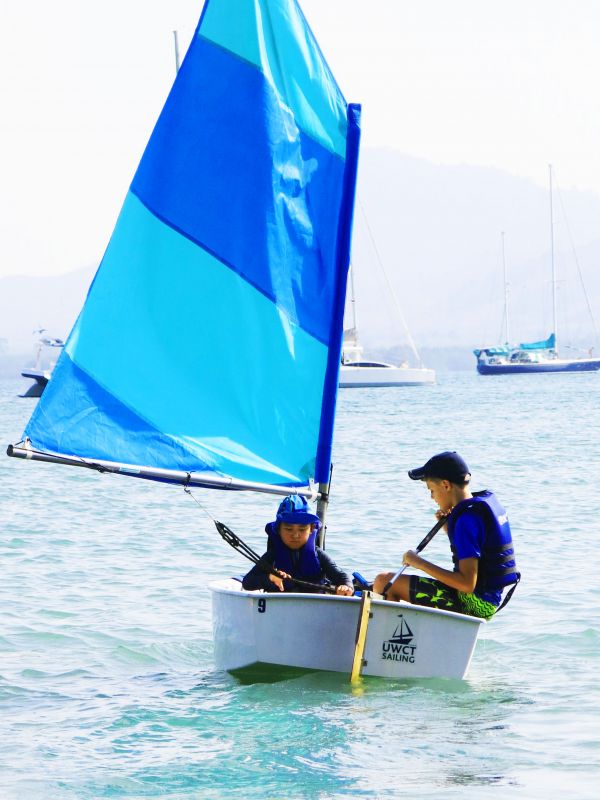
x=292 y=551
x=480 y=540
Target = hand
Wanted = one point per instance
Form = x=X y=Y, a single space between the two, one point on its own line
x=411 y=558
x=347 y=591
x=278 y=579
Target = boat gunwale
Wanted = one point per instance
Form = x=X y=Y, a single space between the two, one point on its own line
x=217 y=587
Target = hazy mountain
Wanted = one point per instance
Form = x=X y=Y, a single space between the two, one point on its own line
x=28 y=303
x=436 y=231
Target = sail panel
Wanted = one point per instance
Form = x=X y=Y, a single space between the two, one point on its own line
x=256 y=201
x=225 y=413
x=262 y=30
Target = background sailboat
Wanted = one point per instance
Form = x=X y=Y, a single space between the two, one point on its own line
x=231 y=255
x=359 y=372
x=531 y=357
x=41 y=370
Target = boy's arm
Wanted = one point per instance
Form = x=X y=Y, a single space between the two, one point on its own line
x=467 y=540
x=463 y=579
x=332 y=572
x=257 y=578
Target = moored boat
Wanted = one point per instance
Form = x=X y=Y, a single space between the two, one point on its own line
x=38 y=373
x=357 y=372
x=532 y=357
x=529 y=358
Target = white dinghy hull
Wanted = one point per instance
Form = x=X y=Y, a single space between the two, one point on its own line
x=318 y=632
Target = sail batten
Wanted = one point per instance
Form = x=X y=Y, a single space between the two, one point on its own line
x=210 y=340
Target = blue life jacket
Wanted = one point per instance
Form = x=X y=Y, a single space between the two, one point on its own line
x=303 y=563
x=497 y=566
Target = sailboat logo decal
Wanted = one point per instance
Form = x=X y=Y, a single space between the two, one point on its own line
x=403 y=633
x=400 y=646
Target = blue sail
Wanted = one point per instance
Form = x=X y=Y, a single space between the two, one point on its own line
x=210 y=339
x=547 y=344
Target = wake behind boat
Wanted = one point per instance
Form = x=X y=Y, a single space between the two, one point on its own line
x=231 y=253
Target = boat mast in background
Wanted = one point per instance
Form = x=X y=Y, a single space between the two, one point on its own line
x=506 y=323
x=176 y=45
x=359 y=372
x=539 y=356
x=553 y=263
x=352 y=299
x=401 y=317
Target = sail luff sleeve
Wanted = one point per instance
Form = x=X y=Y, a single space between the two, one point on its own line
x=330 y=389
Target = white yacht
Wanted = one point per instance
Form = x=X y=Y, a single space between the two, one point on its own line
x=357 y=372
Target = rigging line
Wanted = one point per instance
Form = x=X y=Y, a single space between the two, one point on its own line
x=187 y=490
x=407 y=333
x=496 y=272
x=572 y=243
x=225 y=532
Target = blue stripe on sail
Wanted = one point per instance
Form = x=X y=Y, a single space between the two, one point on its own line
x=78 y=415
x=264 y=30
x=244 y=399
x=267 y=198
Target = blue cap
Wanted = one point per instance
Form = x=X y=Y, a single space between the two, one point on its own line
x=294 y=509
x=446 y=466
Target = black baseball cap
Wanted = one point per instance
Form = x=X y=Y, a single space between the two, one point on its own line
x=447 y=466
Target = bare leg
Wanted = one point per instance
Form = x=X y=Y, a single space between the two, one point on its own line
x=399 y=590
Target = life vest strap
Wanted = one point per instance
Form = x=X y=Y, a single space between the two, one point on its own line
x=509 y=594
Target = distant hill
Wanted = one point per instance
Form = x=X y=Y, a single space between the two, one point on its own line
x=436 y=230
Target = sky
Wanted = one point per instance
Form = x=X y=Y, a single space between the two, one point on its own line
x=513 y=85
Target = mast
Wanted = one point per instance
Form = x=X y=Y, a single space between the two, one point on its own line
x=352 y=298
x=506 y=325
x=176 y=43
x=554 y=318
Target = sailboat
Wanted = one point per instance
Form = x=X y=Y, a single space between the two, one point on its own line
x=359 y=372
x=231 y=253
x=531 y=357
x=40 y=373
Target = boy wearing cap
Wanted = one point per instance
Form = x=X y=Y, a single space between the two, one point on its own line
x=292 y=551
x=480 y=541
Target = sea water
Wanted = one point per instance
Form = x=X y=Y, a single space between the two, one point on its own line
x=107 y=683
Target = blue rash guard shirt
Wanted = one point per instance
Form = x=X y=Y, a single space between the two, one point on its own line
x=467 y=540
